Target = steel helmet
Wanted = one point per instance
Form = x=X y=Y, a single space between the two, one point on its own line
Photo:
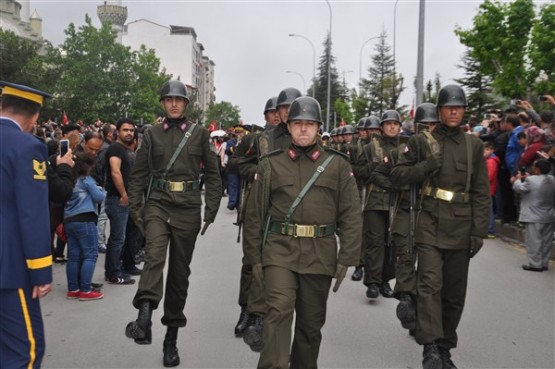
x=391 y=115
x=305 y=108
x=348 y=130
x=270 y=104
x=426 y=113
x=372 y=122
x=451 y=95
x=360 y=124
x=333 y=132
x=287 y=96
x=173 y=88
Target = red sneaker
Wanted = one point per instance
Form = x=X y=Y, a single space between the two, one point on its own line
x=72 y=295
x=91 y=295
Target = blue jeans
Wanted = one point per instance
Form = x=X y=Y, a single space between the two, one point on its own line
x=491 y=218
x=118 y=223
x=233 y=189
x=82 y=240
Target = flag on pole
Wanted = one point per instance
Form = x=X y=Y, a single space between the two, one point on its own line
x=411 y=110
x=65 y=120
x=213 y=126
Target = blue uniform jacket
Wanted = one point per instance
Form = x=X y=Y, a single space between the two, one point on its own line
x=25 y=255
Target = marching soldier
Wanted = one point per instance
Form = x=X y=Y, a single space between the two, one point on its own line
x=25 y=255
x=273 y=138
x=166 y=170
x=301 y=197
x=247 y=168
x=452 y=222
x=379 y=265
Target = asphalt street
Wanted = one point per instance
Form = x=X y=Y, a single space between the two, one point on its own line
x=508 y=322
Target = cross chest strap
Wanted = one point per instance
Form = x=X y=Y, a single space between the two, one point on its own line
x=179 y=149
x=305 y=189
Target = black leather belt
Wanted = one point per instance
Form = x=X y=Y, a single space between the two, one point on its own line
x=299 y=230
x=171 y=186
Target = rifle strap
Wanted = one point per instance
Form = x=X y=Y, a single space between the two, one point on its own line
x=305 y=189
x=179 y=149
x=469 y=162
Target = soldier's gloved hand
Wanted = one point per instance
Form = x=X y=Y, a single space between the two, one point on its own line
x=340 y=273
x=434 y=161
x=475 y=245
x=257 y=272
x=205 y=227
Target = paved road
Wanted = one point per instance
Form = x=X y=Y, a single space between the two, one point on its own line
x=509 y=319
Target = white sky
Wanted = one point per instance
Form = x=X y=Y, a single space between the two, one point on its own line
x=249 y=42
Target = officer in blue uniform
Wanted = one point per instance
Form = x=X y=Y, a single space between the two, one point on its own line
x=25 y=255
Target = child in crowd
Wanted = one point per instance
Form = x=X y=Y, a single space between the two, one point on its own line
x=492 y=162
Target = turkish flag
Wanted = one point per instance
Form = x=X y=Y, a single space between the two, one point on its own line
x=411 y=111
x=213 y=126
x=342 y=123
x=65 y=120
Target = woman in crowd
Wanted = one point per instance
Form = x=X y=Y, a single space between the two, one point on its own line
x=80 y=218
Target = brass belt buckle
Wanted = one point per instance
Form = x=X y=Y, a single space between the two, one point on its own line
x=176 y=186
x=304 y=231
x=445 y=195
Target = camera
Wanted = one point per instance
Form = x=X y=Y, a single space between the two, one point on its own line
x=543 y=98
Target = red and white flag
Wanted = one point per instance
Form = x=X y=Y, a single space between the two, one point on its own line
x=411 y=110
x=213 y=126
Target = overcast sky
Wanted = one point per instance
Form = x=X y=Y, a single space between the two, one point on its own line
x=249 y=42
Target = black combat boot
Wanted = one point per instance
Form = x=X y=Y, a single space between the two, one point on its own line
x=446 y=357
x=431 y=358
x=406 y=311
x=140 y=329
x=171 y=356
x=385 y=290
x=242 y=323
x=253 y=332
x=373 y=291
x=357 y=274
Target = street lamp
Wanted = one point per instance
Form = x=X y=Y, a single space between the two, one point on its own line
x=300 y=75
x=329 y=75
x=360 y=62
x=394 y=59
x=313 y=61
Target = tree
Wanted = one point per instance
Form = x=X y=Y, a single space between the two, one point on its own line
x=321 y=82
x=498 y=41
x=542 y=50
x=224 y=113
x=382 y=87
x=343 y=109
x=194 y=111
x=477 y=86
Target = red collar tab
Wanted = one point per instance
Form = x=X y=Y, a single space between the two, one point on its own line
x=315 y=155
x=292 y=154
x=182 y=126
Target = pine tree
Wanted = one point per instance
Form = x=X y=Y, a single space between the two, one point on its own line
x=336 y=90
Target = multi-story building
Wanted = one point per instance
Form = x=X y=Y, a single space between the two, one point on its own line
x=179 y=52
x=15 y=16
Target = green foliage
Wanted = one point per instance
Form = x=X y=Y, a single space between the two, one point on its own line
x=499 y=41
x=321 y=83
x=380 y=91
x=343 y=110
x=224 y=113
x=542 y=50
x=194 y=112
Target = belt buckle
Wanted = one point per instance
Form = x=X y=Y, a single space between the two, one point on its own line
x=304 y=231
x=176 y=186
x=444 y=195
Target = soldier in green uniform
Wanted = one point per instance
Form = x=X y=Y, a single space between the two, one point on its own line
x=166 y=172
x=452 y=222
x=272 y=138
x=247 y=167
x=291 y=241
x=379 y=266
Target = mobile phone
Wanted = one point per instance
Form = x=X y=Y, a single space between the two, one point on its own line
x=64 y=147
x=522 y=171
x=543 y=98
x=487 y=116
x=515 y=102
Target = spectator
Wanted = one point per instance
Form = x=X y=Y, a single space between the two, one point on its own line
x=537 y=210
x=108 y=130
x=535 y=140
x=507 y=203
x=80 y=216
x=118 y=170
x=492 y=162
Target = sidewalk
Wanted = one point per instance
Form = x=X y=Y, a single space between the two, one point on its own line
x=513 y=235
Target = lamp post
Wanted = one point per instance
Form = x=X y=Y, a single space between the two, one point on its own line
x=393 y=85
x=344 y=83
x=313 y=61
x=329 y=75
x=300 y=75
x=360 y=62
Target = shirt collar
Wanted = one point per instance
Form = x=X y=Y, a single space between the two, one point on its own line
x=181 y=125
